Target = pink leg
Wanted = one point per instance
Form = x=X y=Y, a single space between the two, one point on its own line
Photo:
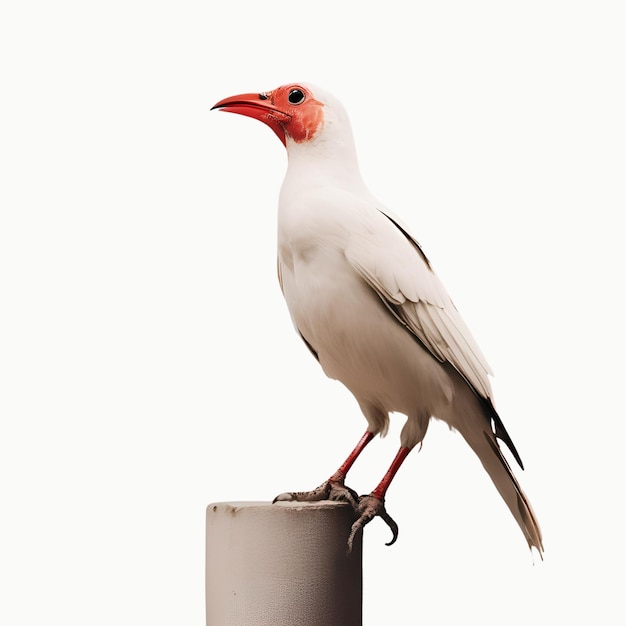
x=381 y=490
x=334 y=488
x=340 y=475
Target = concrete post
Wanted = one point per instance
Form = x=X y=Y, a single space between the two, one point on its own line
x=283 y=564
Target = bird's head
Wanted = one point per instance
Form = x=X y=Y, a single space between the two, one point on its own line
x=297 y=111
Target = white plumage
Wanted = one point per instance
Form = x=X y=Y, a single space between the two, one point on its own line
x=364 y=298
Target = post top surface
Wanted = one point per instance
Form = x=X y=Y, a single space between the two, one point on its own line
x=261 y=504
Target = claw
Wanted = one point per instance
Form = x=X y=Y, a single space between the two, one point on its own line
x=370 y=507
x=392 y=525
x=328 y=490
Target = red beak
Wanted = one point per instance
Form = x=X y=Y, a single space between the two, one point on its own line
x=260 y=107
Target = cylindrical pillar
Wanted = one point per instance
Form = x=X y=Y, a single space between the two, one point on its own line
x=283 y=564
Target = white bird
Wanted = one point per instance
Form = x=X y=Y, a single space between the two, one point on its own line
x=366 y=302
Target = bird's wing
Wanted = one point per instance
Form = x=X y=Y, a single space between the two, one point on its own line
x=393 y=264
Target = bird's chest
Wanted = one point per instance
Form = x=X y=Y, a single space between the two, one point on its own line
x=325 y=295
x=312 y=238
x=314 y=277
x=314 y=269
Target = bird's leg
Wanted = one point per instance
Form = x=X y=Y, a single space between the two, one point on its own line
x=334 y=488
x=340 y=475
x=374 y=504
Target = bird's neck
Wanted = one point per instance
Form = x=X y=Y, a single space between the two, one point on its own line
x=321 y=162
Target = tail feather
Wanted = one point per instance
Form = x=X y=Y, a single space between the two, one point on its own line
x=475 y=427
x=502 y=476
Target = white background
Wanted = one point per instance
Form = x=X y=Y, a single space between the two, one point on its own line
x=148 y=364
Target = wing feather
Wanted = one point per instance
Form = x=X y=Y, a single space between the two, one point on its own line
x=394 y=265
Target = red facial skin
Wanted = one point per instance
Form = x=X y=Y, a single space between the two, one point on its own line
x=299 y=121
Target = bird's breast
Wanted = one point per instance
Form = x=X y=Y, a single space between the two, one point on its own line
x=356 y=339
x=330 y=303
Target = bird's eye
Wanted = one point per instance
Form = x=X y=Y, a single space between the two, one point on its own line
x=296 y=96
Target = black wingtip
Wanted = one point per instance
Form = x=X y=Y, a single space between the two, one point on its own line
x=500 y=431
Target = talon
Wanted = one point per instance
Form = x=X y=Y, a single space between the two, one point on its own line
x=319 y=493
x=342 y=493
x=369 y=508
x=328 y=490
x=358 y=525
x=392 y=525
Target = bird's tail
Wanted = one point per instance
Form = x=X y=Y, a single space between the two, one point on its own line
x=483 y=441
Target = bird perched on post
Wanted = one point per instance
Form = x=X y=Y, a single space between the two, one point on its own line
x=368 y=305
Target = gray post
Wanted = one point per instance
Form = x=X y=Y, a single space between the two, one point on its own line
x=282 y=564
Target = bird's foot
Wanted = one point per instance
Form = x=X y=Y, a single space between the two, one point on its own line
x=368 y=508
x=328 y=490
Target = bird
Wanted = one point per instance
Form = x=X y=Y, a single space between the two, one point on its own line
x=366 y=302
